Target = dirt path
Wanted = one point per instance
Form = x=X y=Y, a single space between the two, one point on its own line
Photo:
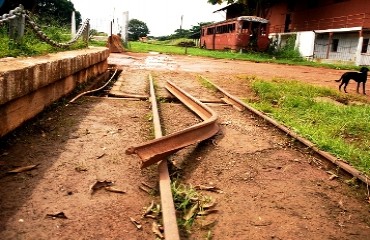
x=272 y=188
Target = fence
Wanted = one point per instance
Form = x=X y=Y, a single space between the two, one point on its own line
x=19 y=17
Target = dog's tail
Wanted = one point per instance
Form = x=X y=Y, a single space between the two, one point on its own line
x=340 y=79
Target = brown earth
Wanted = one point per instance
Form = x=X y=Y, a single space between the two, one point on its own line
x=272 y=188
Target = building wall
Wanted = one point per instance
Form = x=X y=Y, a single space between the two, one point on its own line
x=345 y=50
x=309 y=15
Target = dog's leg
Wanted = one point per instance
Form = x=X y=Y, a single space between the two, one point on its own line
x=363 y=87
x=358 y=87
x=340 y=86
x=345 y=87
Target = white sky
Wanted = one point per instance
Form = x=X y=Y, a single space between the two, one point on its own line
x=162 y=17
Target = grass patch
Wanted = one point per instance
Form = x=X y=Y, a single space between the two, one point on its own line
x=31 y=45
x=343 y=130
x=280 y=58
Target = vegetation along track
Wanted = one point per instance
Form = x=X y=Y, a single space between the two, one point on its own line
x=264 y=184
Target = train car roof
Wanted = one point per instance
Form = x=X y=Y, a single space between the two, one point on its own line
x=244 y=18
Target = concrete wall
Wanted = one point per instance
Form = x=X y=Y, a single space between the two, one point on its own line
x=28 y=85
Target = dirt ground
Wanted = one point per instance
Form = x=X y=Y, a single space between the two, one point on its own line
x=272 y=188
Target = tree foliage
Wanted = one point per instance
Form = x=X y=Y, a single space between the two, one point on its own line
x=195 y=30
x=253 y=7
x=47 y=11
x=137 y=29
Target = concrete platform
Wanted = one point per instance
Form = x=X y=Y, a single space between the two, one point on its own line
x=28 y=85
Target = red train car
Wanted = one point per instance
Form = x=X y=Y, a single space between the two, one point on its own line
x=244 y=32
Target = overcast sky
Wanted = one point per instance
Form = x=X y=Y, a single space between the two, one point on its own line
x=162 y=17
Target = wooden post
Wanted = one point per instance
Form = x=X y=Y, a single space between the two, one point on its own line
x=329 y=45
x=16 y=27
x=86 y=34
x=358 y=55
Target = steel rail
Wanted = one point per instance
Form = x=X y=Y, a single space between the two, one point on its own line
x=157 y=149
x=171 y=230
x=336 y=161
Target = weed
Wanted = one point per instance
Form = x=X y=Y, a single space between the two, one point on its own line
x=188 y=202
x=203 y=81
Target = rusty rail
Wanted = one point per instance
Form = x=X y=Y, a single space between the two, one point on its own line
x=157 y=149
x=343 y=165
x=168 y=208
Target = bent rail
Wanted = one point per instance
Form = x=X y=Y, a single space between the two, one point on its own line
x=336 y=161
x=157 y=149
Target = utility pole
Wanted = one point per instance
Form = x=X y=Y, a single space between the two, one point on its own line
x=73 y=24
x=125 y=28
x=182 y=19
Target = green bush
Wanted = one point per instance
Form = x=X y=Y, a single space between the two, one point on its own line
x=288 y=51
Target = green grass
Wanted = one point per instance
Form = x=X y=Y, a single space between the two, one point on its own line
x=343 y=130
x=31 y=45
x=280 y=58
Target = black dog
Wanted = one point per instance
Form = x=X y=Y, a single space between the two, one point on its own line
x=359 y=77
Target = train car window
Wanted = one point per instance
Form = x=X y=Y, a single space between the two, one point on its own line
x=210 y=31
x=245 y=25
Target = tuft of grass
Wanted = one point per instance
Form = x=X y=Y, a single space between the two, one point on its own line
x=203 y=81
x=340 y=129
x=188 y=203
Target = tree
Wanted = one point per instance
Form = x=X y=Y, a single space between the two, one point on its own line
x=55 y=11
x=195 y=30
x=137 y=29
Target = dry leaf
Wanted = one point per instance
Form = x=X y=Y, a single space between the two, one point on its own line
x=191 y=212
x=136 y=223
x=207 y=212
x=156 y=231
x=115 y=190
x=209 y=205
x=147 y=185
x=148 y=191
x=23 y=169
x=100 y=184
x=149 y=209
x=208 y=188
x=81 y=169
x=100 y=156
x=57 y=215
x=332 y=175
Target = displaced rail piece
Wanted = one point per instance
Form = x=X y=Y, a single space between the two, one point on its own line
x=171 y=230
x=343 y=165
x=157 y=149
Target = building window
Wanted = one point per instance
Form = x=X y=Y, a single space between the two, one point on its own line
x=365 y=45
x=334 y=45
x=312 y=3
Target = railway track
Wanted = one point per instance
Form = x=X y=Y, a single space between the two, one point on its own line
x=159 y=149
x=270 y=187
